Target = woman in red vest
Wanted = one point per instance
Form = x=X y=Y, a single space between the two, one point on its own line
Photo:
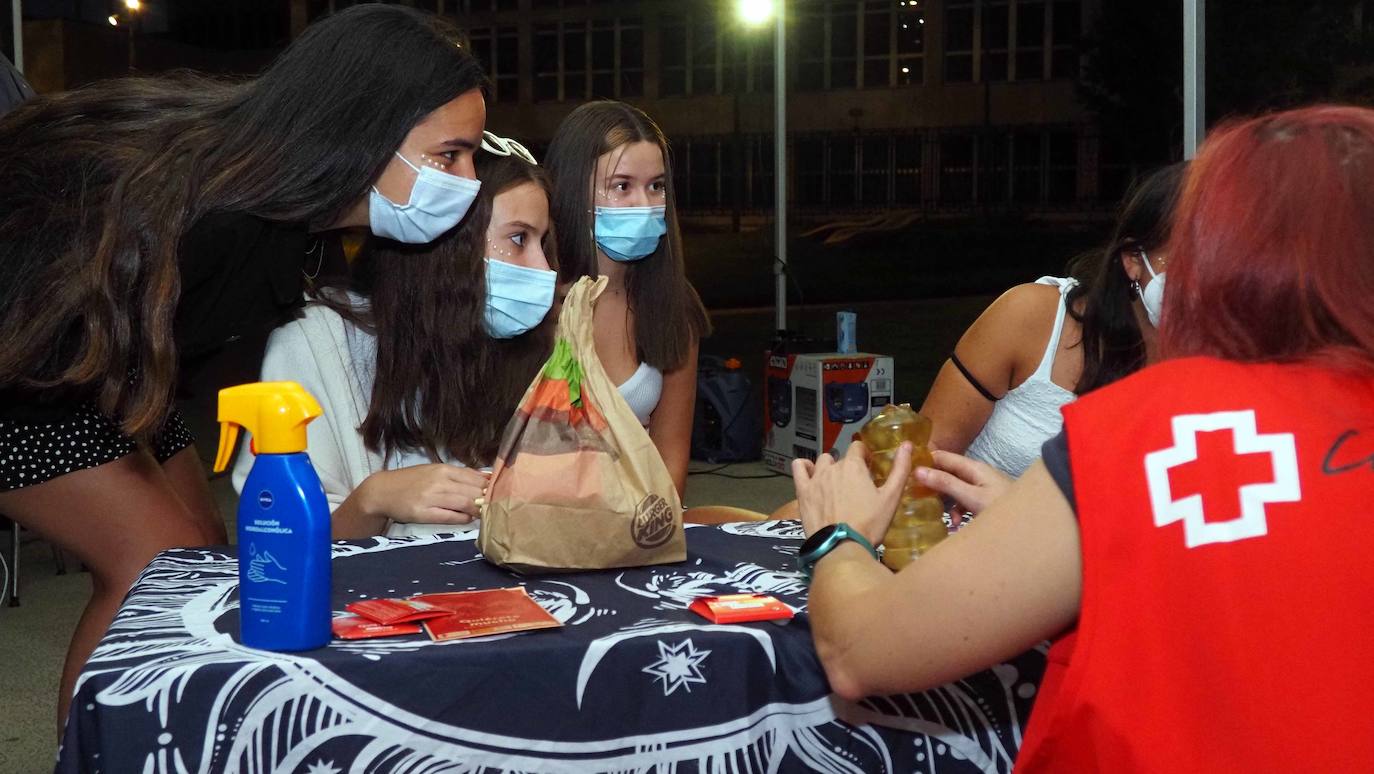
x=1198 y=538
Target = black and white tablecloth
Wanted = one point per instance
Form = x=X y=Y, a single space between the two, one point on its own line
x=632 y=682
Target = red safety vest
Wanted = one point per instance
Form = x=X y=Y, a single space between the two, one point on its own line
x=1227 y=619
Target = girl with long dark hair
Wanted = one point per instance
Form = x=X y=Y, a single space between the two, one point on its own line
x=616 y=213
x=420 y=364
x=1042 y=344
x=147 y=222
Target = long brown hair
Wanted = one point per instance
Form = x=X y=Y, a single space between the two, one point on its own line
x=443 y=384
x=663 y=339
x=99 y=186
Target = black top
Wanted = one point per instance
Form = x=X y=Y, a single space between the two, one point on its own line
x=241 y=276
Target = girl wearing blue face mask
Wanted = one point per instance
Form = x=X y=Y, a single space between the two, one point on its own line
x=613 y=203
x=155 y=229
x=421 y=360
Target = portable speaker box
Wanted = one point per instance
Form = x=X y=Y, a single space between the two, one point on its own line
x=815 y=403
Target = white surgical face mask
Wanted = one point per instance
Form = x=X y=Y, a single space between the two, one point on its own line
x=1152 y=296
x=438 y=202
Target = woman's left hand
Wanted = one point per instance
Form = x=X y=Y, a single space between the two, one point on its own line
x=829 y=492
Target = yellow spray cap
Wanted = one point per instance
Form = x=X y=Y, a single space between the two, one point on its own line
x=276 y=413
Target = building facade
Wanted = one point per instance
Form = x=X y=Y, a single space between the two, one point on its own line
x=932 y=105
x=936 y=106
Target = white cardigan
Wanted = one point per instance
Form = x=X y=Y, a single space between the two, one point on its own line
x=335 y=361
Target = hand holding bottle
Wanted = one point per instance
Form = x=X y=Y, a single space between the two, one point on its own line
x=829 y=492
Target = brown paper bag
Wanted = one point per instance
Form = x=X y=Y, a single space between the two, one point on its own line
x=578 y=483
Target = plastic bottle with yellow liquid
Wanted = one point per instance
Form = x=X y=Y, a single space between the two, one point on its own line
x=919 y=522
x=283 y=518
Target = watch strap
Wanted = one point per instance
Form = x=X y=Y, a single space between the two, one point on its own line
x=825 y=541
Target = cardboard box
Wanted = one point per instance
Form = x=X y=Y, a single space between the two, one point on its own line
x=815 y=403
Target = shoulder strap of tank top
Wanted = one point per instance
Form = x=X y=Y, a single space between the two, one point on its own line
x=1047 y=360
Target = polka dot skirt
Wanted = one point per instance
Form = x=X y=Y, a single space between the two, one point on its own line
x=34 y=452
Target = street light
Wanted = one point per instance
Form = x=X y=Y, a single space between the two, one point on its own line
x=756 y=12
x=132 y=5
x=113 y=20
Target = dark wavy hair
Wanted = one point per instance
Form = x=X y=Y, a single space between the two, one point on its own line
x=657 y=284
x=100 y=185
x=1103 y=302
x=441 y=382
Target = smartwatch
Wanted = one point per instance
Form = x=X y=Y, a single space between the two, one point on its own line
x=823 y=541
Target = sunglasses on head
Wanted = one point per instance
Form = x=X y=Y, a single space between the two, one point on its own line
x=504 y=146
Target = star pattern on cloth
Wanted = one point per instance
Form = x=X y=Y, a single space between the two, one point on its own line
x=678 y=666
x=320 y=767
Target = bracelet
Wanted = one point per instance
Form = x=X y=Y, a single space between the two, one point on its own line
x=824 y=541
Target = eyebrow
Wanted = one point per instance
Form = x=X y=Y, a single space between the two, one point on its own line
x=519 y=224
x=459 y=142
x=623 y=176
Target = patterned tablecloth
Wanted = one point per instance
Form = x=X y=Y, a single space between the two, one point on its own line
x=632 y=682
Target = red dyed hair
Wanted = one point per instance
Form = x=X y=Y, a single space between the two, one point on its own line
x=1271 y=256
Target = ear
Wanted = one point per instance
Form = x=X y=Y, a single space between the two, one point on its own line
x=1130 y=263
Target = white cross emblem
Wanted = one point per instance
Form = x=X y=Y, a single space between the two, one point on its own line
x=1198 y=531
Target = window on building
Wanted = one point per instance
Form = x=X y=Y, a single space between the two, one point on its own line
x=957 y=168
x=995 y=34
x=959 y=41
x=875 y=163
x=994 y=161
x=705 y=53
x=878 y=43
x=810 y=47
x=602 y=58
x=809 y=168
x=1067 y=27
x=1062 y=172
x=760 y=47
x=1030 y=40
x=546 y=45
x=672 y=57
x=844 y=46
x=498 y=49
x=1027 y=167
x=630 y=59
x=843 y=168
x=703 y=174
x=759 y=182
x=909 y=29
x=906 y=169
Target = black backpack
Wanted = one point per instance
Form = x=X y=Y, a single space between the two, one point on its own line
x=727 y=425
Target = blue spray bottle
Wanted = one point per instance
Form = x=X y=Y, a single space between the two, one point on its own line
x=283 y=518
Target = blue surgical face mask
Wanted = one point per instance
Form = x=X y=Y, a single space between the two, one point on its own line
x=518 y=297
x=438 y=201
x=630 y=233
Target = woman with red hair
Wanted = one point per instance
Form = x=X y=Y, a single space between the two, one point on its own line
x=1197 y=539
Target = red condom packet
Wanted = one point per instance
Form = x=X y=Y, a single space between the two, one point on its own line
x=488 y=611
x=395 y=611
x=737 y=608
x=355 y=627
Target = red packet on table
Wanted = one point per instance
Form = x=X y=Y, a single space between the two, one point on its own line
x=489 y=611
x=736 y=608
x=395 y=611
x=355 y=627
